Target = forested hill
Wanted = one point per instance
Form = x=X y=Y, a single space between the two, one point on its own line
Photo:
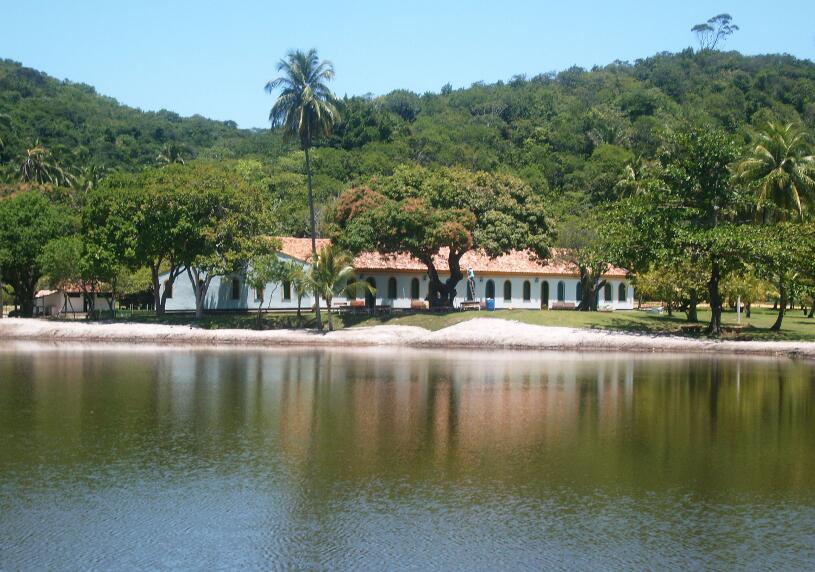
x=570 y=134
x=80 y=126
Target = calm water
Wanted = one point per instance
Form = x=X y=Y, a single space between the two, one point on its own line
x=403 y=459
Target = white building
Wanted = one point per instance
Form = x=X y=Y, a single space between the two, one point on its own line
x=513 y=280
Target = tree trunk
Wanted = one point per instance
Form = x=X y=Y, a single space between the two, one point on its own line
x=747 y=308
x=2 y=296
x=313 y=223
x=715 y=326
x=693 y=315
x=330 y=315
x=782 y=306
x=199 y=287
x=157 y=297
x=442 y=294
x=811 y=309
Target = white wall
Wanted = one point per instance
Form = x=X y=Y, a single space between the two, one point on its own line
x=219 y=295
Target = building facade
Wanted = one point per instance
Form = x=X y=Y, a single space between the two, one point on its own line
x=516 y=280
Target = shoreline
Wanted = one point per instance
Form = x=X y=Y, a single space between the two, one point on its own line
x=475 y=334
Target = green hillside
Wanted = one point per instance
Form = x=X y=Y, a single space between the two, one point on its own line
x=569 y=134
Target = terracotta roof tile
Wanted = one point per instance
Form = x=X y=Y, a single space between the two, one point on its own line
x=514 y=262
x=300 y=248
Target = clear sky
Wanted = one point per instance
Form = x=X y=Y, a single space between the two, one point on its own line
x=214 y=57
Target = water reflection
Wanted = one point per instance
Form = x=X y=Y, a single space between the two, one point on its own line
x=402 y=458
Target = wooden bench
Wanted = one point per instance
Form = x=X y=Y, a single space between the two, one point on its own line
x=469 y=305
x=564 y=306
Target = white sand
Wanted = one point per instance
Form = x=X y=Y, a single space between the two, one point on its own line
x=479 y=333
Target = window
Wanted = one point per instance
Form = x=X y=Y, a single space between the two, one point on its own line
x=168 y=289
x=607 y=296
x=490 y=293
x=352 y=292
x=414 y=289
x=259 y=294
x=392 y=288
x=622 y=295
x=561 y=291
x=286 y=290
x=527 y=291
x=507 y=291
x=545 y=294
x=236 y=289
x=579 y=293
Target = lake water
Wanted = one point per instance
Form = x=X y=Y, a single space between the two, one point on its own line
x=393 y=459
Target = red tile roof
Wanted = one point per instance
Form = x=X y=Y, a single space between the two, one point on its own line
x=300 y=248
x=521 y=262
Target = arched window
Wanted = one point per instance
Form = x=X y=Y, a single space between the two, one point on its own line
x=490 y=291
x=579 y=293
x=392 y=288
x=622 y=295
x=286 y=290
x=168 y=289
x=414 y=289
x=351 y=292
x=561 y=291
x=607 y=295
x=545 y=294
x=370 y=299
x=507 y=291
x=527 y=291
x=236 y=289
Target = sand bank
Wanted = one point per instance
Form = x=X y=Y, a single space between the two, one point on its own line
x=479 y=333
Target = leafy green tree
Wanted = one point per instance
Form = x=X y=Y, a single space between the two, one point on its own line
x=781 y=168
x=28 y=221
x=333 y=274
x=443 y=213
x=715 y=31
x=223 y=221
x=262 y=270
x=305 y=108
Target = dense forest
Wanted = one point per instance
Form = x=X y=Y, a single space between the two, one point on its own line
x=693 y=170
x=570 y=134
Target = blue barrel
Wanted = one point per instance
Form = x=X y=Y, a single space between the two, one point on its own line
x=490 y=304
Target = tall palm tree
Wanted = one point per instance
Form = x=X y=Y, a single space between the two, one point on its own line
x=782 y=169
x=38 y=166
x=333 y=274
x=306 y=109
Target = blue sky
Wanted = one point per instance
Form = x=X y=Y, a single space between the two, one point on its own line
x=213 y=58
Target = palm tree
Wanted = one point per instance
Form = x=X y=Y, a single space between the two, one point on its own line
x=170 y=153
x=333 y=274
x=298 y=278
x=782 y=169
x=306 y=109
x=39 y=167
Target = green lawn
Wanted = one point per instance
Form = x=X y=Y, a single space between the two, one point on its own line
x=795 y=327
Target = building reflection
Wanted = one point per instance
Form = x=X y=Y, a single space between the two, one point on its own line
x=424 y=415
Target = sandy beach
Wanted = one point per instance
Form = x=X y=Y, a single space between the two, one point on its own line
x=481 y=333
